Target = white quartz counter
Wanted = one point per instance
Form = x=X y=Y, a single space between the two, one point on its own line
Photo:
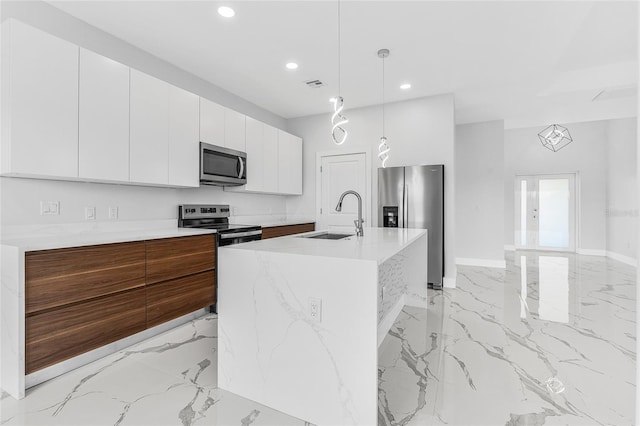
x=63 y=237
x=267 y=221
x=377 y=244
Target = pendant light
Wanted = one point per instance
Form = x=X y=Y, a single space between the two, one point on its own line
x=338 y=133
x=383 y=147
x=555 y=137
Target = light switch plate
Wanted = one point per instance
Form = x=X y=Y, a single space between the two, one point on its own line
x=90 y=213
x=113 y=213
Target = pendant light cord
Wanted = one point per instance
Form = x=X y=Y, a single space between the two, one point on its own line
x=339 y=53
x=383 y=96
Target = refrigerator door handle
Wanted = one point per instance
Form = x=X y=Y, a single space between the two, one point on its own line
x=406 y=207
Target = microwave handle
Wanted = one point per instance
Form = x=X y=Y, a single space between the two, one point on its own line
x=241 y=167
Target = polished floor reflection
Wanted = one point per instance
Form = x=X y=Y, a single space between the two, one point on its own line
x=548 y=341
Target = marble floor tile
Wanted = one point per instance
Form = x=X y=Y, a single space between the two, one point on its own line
x=550 y=340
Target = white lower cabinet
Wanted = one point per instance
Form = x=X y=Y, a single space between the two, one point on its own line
x=40 y=103
x=149 y=130
x=103 y=132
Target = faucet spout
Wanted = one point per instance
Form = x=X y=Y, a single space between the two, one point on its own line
x=360 y=220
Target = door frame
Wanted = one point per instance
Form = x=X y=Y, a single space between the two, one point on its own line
x=340 y=152
x=576 y=212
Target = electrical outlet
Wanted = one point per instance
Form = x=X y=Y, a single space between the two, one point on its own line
x=315 y=309
x=49 y=208
x=113 y=213
x=90 y=213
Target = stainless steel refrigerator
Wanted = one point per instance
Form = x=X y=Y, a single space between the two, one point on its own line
x=413 y=197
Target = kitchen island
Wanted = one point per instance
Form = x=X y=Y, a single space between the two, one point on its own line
x=301 y=319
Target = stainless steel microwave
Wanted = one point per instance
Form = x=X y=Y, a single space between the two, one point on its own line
x=222 y=166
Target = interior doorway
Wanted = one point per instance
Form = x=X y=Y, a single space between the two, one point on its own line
x=336 y=174
x=545 y=212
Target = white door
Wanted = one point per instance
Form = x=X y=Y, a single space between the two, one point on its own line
x=545 y=213
x=339 y=173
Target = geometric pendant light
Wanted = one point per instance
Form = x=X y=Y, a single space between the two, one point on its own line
x=383 y=147
x=555 y=137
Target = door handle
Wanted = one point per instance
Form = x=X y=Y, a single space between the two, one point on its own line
x=241 y=167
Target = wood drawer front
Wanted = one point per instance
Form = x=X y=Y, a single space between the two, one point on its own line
x=181 y=296
x=177 y=257
x=280 y=231
x=63 y=276
x=63 y=333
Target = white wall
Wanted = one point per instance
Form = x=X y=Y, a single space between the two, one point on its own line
x=587 y=155
x=20 y=200
x=420 y=131
x=622 y=204
x=21 y=197
x=479 y=159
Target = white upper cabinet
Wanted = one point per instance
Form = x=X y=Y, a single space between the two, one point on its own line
x=274 y=161
x=234 y=130
x=255 y=150
x=103 y=118
x=211 y=122
x=270 y=158
x=290 y=163
x=149 y=129
x=184 y=146
x=40 y=103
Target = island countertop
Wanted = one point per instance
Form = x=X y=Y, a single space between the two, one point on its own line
x=377 y=244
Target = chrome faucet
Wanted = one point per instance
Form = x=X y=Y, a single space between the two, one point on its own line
x=359 y=221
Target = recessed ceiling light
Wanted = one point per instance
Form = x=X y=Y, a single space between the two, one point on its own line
x=226 y=11
x=405 y=86
x=292 y=66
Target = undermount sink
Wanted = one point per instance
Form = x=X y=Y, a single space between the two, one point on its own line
x=328 y=236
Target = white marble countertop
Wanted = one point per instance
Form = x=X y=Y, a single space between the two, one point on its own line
x=377 y=244
x=55 y=237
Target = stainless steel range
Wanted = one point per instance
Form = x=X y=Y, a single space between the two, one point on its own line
x=216 y=216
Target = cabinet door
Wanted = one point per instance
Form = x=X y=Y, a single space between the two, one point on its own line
x=234 y=130
x=211 y=122
x=270 y=159
x=40 y=111
x=255 y=162
x=290 y=163
x=149 y=131
x=184 y=148
x=103 y=118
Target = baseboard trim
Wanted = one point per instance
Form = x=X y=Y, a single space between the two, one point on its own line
x=592 y=252
x=509 y=248
x=622 y=258
x=448 y=282
x=486 y=263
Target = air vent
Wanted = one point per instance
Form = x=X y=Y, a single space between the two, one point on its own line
x=314 y=84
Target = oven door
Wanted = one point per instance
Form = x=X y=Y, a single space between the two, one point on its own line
x=237 y=237
x=222 y=166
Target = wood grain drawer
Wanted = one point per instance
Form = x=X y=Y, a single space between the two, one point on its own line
x=172 y=299
x=280 y=231
x=177 y=257
x=56 y=335
x=63 y=276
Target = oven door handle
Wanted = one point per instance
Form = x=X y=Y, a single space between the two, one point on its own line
x=240 y=234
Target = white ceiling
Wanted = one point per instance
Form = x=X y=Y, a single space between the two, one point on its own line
x=528 y=62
